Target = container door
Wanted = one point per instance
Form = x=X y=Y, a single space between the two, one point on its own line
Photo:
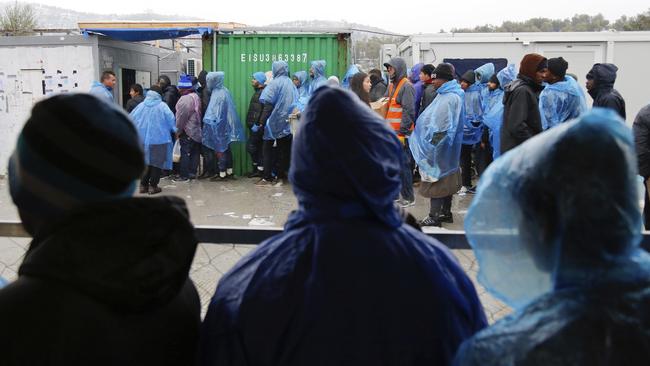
x=580 y=56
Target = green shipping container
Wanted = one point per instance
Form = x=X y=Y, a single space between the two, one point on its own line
x=240 y=55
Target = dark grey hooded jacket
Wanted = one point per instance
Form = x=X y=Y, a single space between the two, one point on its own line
x=406 y=95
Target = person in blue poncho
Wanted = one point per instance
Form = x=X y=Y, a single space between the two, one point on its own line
x=436 y=144
x=300 y=80
x=472 y=126
x=317 y=75
x=556 y=227
x=483 y=149
x=221 y=124
x=103 y=89
x=562 y=98
x=493 y=106
x=156 y=124
x=3 y=282
x=347 y=282
x=352 y=70
x=279 y=99
x=418 y=85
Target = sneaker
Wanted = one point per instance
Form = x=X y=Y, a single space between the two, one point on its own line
x=464 y=189
x=144 y=189
x=155 y=190
x=406 y=203
x=218 y=178
x=264 y=183
x=180 y=180
x=447 y=218
x=471 y=190
x=278 y=183
x=430 y=221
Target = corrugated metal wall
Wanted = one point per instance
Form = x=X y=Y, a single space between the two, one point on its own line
x=239 y=56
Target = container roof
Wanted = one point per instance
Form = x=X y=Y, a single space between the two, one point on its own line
x=151 y=31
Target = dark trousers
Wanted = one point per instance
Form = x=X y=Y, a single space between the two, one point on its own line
x=646 y=207
x=440 y=206
x=225 y=160
x=483 y=157
x=277 y=153
x=407 y=174
x=466 y=164
x=190 y=151
x=151 y=177
x=254 y=147
x=209 y=161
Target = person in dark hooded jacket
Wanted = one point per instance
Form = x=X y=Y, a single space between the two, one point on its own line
x=555 y=226
x=255 y=141
x=347 y=282
x=401 y=117
x=105 y=279
x=378 y=88
x=429 y=93
x=521 y=118
x=600 y=85
x=642 y=141
x=170 y=92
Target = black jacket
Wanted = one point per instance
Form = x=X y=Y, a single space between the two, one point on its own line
x=108 y=285
x=171 y=97
x=254 y=108
x=521 y=119
x=133 y=102
x=603 y=93
x=642 y=140
x=427 y=97
x=377 y=90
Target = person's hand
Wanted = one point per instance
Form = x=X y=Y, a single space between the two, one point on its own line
x=255 y=128
x=483 y=145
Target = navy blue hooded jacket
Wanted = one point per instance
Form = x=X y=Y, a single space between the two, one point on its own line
x=347 y=282
x=603 y=93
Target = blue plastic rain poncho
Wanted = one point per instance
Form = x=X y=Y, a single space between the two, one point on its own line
x=483 y=75
x=560 y=102
x=303 y=89
x=102 y=92
x=418 y=85
x=473 y=124
x=283 y=95
x=221 y=124
x=436 y=141
x=493 y=108
x=346 y=283
x=319 y=79
x=352 y=70
x=556 y=226
x=3 y=282
x=156 y=124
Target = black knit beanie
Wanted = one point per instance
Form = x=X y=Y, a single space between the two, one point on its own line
x=558 y=66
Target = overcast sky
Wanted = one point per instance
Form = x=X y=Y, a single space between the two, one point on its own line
x=411 y=17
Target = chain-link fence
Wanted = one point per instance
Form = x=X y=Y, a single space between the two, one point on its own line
x=213 y=260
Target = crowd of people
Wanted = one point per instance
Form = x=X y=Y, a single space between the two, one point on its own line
x=554 y=224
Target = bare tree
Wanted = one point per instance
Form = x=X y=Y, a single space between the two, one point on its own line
x=18 y=19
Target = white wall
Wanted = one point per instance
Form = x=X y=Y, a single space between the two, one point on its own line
x=23 y=70
x=633 y=61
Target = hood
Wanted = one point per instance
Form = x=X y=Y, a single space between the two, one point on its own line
x=452 y=86
x=484 y=73
x=319 y=68
x=214 y=80
x=400 y=67
x=280 y=68
x=507 y=75
x=415 y=73
x=352 y=70
x=132 y=254
x=153 y=98
x=604 y=75
x=362 y=182
x=302 y=76
x=260 y=77
x=166 y=80
x=550 y=202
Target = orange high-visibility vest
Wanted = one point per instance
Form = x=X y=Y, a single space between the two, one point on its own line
x=394 y=115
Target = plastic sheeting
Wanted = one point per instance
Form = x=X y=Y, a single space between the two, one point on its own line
x=473 y=124
x=493 y=119
x=558 y=217
x=156 y=124
x=221 y=124
x=142 y=34
x=436 y=141
x=303 y=90
x=283 y=95
x=560 y=102
x=346 y=282
x=352 y=70
x=102 y=92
